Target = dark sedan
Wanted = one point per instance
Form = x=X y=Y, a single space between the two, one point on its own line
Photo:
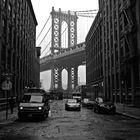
x=88 y=103
x=104 y=107
x=72 y=104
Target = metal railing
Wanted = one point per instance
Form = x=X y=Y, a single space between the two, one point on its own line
x=3 y=103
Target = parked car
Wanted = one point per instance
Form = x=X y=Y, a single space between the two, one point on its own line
x=77 y=96
x=35 y=103
x=89 y=103
x=72 y=104
x=84 y=102
x=104 y=107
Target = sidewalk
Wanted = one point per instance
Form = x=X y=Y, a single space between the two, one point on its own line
x=10 y=118
x=128 y=111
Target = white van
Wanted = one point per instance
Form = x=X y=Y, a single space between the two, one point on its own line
x=77 y=95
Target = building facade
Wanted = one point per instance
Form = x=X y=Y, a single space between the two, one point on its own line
x=120 y=39
x=19 y=56
x=94 y=61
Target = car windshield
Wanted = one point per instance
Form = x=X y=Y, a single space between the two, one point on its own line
x=85 y=100
x=99 y=100
x=34 y=90
x=32 y=99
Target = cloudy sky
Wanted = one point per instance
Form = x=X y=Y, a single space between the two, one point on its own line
x=43 y=8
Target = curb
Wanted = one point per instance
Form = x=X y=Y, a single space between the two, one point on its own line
x=127 y=115
x=11 y=119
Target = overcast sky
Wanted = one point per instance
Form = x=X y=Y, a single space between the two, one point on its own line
x=43 y=8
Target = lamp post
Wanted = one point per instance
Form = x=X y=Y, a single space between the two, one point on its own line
x=124 y=81
x=6 y=86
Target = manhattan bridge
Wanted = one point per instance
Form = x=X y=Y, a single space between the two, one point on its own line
x=62 y=50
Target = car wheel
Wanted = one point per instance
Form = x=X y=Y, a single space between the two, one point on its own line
x=47 y=114
x=43 y=116
x=67 y=109
x=113 y=112
x=20 y=117
x=98 y=110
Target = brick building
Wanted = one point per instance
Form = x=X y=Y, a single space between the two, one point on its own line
x=19 y=55
x=94 y=61
x=119 y=42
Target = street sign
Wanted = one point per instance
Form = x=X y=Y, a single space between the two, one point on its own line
x=6 y=85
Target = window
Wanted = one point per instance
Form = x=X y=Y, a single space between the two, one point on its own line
x=4 y=3
x=10 y=10
x=32 y=99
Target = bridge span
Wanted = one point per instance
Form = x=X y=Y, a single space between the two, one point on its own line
x=60 y=58
x=69 y=59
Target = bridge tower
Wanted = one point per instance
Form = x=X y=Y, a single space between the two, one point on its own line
x=58 y=17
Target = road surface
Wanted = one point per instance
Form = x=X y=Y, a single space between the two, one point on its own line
x=73 y=125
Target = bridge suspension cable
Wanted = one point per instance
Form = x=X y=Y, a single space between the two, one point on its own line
x=50 y=42
x=47 y=52
x=46 y=47
x=86 y=11
x=45 y=35
x=43 y=27
x=64 y=31
x=86 y=16
x=83 y=13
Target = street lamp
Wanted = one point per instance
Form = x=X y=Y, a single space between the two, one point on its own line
x=6 y=86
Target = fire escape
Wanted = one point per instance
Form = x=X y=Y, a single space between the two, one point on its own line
x=128 y=35
x=128 y=30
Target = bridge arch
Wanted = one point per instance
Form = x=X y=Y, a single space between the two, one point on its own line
x=64 y=35
x=58 y=17
x=64 y=79
x=81 y=74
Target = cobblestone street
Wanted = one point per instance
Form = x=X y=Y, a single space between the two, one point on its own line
x=83 y=125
